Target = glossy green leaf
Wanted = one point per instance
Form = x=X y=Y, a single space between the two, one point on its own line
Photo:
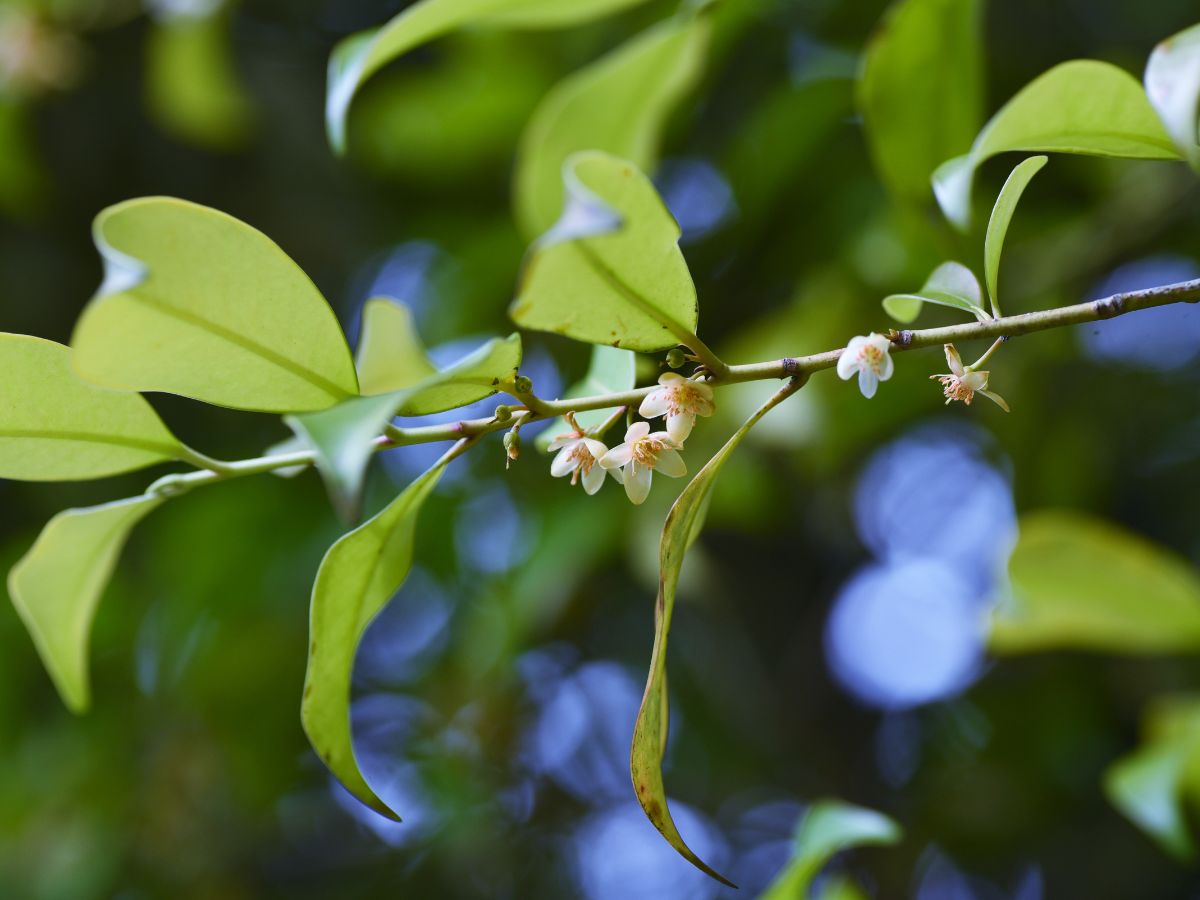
x=197 y=303
x=391 y=355
x=57 y=585
x=359 y=56
x=192 y=85
x=54 y=427
x=1080 y=582
x=1002 y=213
x=921 y=90
x=476 y=376
x=610 y=371
x=610 y=271
x=650 y=730
x=358 y=576
x=618 y=104
x=826 y=829
x=950 y=284
x=1172 y=82
x=1084 y=106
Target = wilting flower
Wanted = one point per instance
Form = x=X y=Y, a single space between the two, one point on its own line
x=577 y=457
x=961 y=384
x=634 y=461
x=868 y=356
x=680 y=400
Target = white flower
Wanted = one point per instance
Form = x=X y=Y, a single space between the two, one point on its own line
x=963 y=385
x=577 y=456
x=680 y=400
x=868 y=356
x=634 y=461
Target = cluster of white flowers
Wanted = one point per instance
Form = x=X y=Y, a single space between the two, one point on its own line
x=868 y=356
x=634 y=462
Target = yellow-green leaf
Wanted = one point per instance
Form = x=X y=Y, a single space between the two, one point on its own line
x=1172 y=82
x=358 y=576
x=950 y=284
x=54 y=427
x=650 y=729
x=1079 y=582
x=610 y=271
x=1002 y=213
x=197 y=303
x=360 y=56
x=618 y=104
x=390 y=353
x=1083 y=106
x=57 y=585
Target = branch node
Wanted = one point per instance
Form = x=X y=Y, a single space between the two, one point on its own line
x=1110 y=306
x=791 y=365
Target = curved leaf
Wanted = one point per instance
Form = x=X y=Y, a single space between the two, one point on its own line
x=1002 y=213
x=1083 y=583
x=360 y=56
x=826 y=829
x=618 y=104
x=477 y=375
x=921 y=90
x=197 y=303
x=358 y=576
x=57 y=585
x=1172 y=82
x=610 y=371
x=650 y=730
x=950 y=284
x=390 y=353
x=610 y=271
x=1083 y=106
x=54 y=427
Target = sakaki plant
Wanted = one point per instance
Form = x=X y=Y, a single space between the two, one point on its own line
x=198 y=304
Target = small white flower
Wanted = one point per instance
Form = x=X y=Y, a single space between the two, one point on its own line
x=680 y=400
x=634 y=461
x=868 y=356
x=577 y=456
x=962 y=385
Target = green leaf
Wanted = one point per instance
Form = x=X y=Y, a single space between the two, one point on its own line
x=192 y=84
x=196 y=303
x=360 y=56
x=619 y=104
x=358 y=576
x=1172 y=82
x=1083 y=583
x=650 y=730
x=610 y=272
x=476 y=376
x=950 y=284
x=826 y=829
x=610 y=371
x=390 y=353
x=921 y=90
x=54 y=427
x=57 y=585
x=1082 y=106
x=1002 y=213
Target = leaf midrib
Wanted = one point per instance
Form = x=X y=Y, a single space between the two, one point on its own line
x=89 y=437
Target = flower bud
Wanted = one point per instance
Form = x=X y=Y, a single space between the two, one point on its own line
x=523 y=384
x=502 y=413
x=512 y=444
x=676 y=358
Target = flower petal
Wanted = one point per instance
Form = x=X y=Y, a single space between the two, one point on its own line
x=847 y=363
x=637 y=431
x=867 y=383
x=975 y=381
x=562 y=440
x=997 y=399
x=618 y=456
x=563 y=464
x=887 y=367
x=617 y=475
x=593 y=479
x=670 y=378
x=671 y=464
x=953 y=360
x=679 y=426
x=597 y=448
x=637 y=483
x=655 y=404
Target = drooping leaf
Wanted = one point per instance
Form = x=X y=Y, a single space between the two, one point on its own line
x=57 y=585
x=610 y=371
x=54 y=427
x=359 y=56
x=1172 y=82
x=1079 y=582
x=359 y=574
x=193 y=88
x=1153 y=785
x=390 y=353
x=610 y=271
x=650 y=729
x=343 y=436
x=619 y=104
x=950 y=284
x=1002 y=213
x=197 y=303
x=826 y=829
x=921 y=90
x=1083 y=106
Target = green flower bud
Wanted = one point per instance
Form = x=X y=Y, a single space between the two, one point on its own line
x=676 y=358
x=503 y=413
x=523 y=384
